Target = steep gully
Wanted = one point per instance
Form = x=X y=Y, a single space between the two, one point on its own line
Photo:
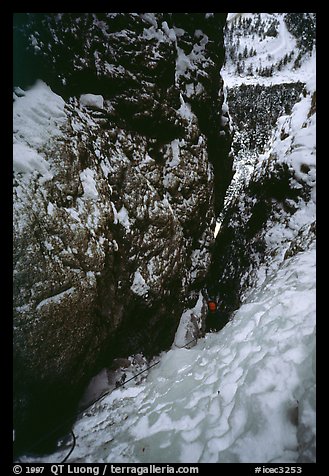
x=117 y=322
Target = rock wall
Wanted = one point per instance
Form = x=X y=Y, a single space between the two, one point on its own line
x=119 y=165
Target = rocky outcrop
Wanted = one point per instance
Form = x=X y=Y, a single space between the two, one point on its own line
x=119 y=161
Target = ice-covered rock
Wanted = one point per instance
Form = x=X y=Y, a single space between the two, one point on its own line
x=92 y=100
x=116 y=151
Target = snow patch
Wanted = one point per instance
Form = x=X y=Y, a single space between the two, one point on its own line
x=123 y=218
x=37 y=117
x=27 y=160
x=89 y=184
x=56 y=299
x=139 y=285
x=217 y=228
x=92 y=100
x=175 y=153
x=185 y=110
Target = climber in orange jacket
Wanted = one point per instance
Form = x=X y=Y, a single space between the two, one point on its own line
x=212 y=306
x=214 y=320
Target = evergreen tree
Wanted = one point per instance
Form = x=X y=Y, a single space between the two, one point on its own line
x=232 y=53
x=250 y=71
x=297 y=63
x=272 y=31
x=240 y=67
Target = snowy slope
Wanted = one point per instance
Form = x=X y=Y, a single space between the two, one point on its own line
x=34 y=131
x=245 y=394
x=268 y=51
x=236 y=396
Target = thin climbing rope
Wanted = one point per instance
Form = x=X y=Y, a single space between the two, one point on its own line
x=72 y=449
x=46 y=435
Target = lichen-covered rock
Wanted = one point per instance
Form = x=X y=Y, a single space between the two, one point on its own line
x=116 y=151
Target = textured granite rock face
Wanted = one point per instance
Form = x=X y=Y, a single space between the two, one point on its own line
x=119 y=164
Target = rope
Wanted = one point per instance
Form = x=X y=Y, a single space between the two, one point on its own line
x=46 y=435
x=118 y=386
x=99 y=399
x=182 y=347
x=72 y=449
x=51 y=432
